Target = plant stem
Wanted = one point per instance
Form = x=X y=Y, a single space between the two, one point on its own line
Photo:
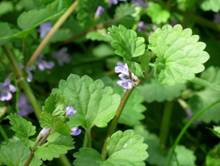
x=114 y=122
x=57 y=25
x=87 y=139
x=64 y=160
x=38 y=142
x=3 y=133
x=187 y=125
x=21 y=81
x=165 y=124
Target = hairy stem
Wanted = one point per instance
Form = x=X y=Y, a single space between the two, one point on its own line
x=37 y=143
x=165 y=124
x=114 y=122
x=57 y=25
x=22 y=82
x=187 y=125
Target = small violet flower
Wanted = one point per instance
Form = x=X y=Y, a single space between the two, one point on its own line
x=44 y=29
x=113 y=2
x=70 y=111
x=99 y=11
x=127 y=79
x=75 y=131
x=141 y=26
x=62 y=56
x=44 y=132
x=43 y=64
x=24 y=106
x=140 y=3
x=6 y=90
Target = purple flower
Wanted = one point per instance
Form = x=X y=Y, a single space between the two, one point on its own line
x=6 y=90
x=44 y=29
x=127 y=79
x=113 y=2
x=99 y=11
x=24 y=106
x=75 y=131
x=70 y=111
x=62 y=56
x=125 y=83
x=43 y=64
x=141 y=26
x=121 y=68
x=44 y=132
x=140 y=3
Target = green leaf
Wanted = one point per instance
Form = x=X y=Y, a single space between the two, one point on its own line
x=126 y=42
x=208 y=95
x=99 y=35
x=186 y=4
x=179 y=54
x=155 y=91
x=35 y=17
x=21 y=127
x=124 y=14
x=184 y=156
x=213 y=5
x=96 y=104
x=87 y=155
x=213 y=157
x=123 y=144
x=157 y=13
x=14 y=152
x=133 y=111
x=57 y=145
x=50 y=151
x=5 y=7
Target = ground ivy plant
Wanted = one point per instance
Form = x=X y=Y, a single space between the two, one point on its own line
x=109 y=82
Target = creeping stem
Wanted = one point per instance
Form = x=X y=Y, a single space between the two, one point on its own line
x=87 y=138
x=165 y=124
x=114 y=122
x=187 y=125
x=57 y=25
x=22 y=82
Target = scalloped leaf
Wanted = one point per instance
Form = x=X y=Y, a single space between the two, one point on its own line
x=157 y=13
x=179 y=54
x=14 y=152
x=95 y=104
x=155 y=91
x=207 y=96
x=119 y=146
x=123 y=144
x=213 y=5
x=50 y=151
x=126 y=42
x=87 y=155
x=21 y=127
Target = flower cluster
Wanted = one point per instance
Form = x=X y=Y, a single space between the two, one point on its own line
x=6 y=90
x=127 y=79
